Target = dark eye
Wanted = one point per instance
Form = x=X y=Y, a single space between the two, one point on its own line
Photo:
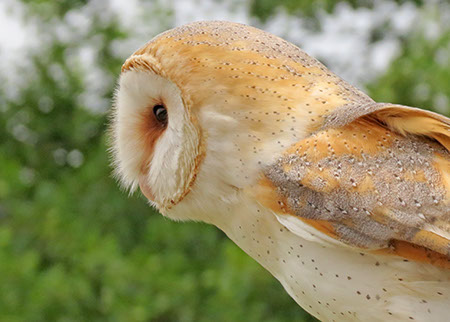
x=160 y=113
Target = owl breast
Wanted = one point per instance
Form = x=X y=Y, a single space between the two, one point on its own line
x=330 y=281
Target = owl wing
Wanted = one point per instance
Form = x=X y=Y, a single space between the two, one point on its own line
x=380 y=182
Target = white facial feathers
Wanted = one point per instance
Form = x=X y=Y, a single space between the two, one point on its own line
x=168 y=165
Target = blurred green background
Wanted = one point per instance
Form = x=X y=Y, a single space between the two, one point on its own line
x=73 y=247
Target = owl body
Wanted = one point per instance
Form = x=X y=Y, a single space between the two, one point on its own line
x=333 y=282
x=344 y=200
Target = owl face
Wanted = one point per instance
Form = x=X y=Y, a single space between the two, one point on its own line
x=157 y=145
x=202 y=109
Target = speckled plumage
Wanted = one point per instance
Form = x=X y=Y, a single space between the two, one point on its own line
x=367 y=181
x=344 y=200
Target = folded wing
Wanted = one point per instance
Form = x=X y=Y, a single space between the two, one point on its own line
x=380 y=182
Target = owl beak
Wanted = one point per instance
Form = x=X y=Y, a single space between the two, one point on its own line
x=145 y=189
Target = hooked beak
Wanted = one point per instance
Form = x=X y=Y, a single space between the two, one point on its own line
x=145 y=189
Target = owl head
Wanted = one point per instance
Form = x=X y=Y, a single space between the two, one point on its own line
x=201 y=109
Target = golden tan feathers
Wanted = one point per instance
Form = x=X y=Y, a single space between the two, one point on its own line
x=375 y=181
x=246 y=65
x=407 y=120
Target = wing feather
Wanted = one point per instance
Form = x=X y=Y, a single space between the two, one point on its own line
x=381 y=181
x=407 y=120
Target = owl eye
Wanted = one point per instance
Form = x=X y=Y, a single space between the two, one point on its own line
x=160 y=113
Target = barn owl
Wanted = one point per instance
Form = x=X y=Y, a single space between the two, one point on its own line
x=344 y=200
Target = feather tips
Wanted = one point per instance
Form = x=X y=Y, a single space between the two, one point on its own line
x=407 y=120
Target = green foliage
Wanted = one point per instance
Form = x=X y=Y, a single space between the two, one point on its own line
x=73 y=247
x=49 y=8
x=263 y=9
x=420 y=76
